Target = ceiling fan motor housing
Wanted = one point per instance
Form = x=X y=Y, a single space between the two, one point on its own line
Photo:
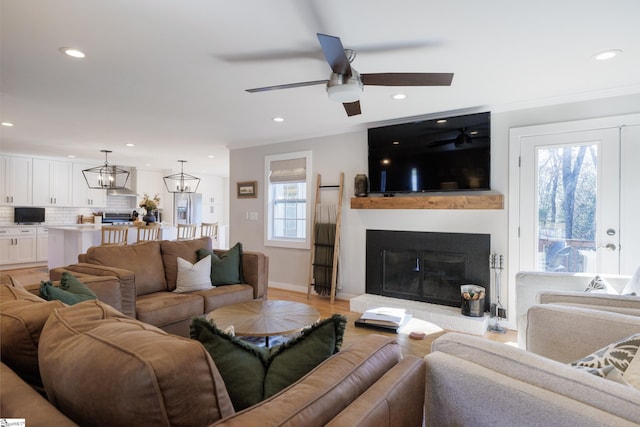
x=345 y=88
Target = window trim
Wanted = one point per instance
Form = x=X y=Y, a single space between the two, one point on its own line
x=284 y=242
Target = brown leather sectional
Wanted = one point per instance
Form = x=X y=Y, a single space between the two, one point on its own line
x=100 y=367
x=147 y=273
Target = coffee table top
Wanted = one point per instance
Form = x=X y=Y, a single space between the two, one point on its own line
x=265 y=318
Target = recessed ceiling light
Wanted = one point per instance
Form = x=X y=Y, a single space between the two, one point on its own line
x=607 y=54
x=278 y=119
x=441 y=121
x=211 y=156
x=399 y=96
x=473 y=132
x=147 y=164
x=75 y=53
x=7 y=124
x=396 y=142
x=71 y=156
x=130 y=145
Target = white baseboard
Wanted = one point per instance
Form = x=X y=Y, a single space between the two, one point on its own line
x=303 y=289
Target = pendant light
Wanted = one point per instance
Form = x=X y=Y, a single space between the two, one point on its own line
x=106 y=177
x=181 y=182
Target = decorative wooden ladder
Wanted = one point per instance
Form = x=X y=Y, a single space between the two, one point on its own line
x=336 y=243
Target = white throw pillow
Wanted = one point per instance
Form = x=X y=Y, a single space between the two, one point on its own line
x=601 y=286
x=633 y=286
x=193 y=277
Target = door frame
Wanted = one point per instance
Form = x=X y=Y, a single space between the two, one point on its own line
x=513 y=202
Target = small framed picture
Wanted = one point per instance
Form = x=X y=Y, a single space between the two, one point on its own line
x=248 y=190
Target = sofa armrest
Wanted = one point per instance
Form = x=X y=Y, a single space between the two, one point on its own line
x=624 y=304
x=396 y=399
x=473 y=381
x=325 y=391
x=566 y=333
x=125 y=278
x=255 y=269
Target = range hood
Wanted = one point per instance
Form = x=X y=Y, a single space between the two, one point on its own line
x=121 y=192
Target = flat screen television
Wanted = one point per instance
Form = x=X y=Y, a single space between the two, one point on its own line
x=28 y=215
x=440 y=154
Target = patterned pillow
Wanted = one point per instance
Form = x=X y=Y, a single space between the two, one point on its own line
x=599 y=285
x=622 y=355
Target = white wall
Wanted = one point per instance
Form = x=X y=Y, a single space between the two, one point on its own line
x=289 y=268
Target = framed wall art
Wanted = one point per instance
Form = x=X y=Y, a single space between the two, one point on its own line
x=247 y=190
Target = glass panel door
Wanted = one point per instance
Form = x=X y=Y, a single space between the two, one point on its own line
x=570 y=202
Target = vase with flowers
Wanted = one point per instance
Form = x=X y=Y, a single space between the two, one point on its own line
x=150 y=205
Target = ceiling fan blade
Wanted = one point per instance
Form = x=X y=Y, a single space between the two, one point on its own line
x=407 y=79
x=352 y=108
x=286 y=86
x=334 y=52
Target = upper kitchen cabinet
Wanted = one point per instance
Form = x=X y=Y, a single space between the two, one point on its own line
x=15 y=189
x=51 y=183
x=83 y=196
x=151 y=183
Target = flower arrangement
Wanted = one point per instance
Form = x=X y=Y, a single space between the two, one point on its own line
x=150 y=204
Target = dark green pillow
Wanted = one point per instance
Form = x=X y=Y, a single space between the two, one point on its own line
x=252 y=373
x=227 y=269
x=71 y=291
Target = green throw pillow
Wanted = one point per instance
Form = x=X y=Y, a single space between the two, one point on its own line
x=71 y=291
x=227 y=269
x=252 y=373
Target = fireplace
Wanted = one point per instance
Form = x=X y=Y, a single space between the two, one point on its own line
x=426 y=266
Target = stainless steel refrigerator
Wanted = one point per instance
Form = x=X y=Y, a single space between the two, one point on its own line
x=187 y=208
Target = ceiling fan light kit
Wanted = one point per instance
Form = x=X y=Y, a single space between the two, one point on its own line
x=341 y=88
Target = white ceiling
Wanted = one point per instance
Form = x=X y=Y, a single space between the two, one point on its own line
x=170 y=75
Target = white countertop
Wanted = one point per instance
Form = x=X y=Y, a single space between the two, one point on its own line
x=94 y=227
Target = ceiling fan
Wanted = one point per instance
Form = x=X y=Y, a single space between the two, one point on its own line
x=346 y=85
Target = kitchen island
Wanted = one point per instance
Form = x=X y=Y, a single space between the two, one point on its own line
x=66 y=242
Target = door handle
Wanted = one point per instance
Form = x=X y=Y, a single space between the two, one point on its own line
x=609 y=247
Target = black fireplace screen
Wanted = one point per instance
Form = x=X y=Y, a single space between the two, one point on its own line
x=424 y=266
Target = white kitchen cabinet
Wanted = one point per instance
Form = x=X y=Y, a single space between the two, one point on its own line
x=51 y=183
x=83 y=196
x=17 y=245
x=15 y=189
x=151 y=183
x=42 y=251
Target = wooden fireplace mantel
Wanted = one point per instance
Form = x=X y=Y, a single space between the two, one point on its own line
x=458 y=200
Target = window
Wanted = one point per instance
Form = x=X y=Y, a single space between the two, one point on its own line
x=288 y=178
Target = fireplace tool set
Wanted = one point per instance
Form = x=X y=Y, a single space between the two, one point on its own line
x=497 y=311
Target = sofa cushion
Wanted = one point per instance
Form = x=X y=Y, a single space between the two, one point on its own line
x=253 y=373
x=165 y=308
x=144 y=260
x=22 y=316
x=71 y=290
x=220 y=296
x=225 y=269
x=193 y=277
x=185 y=249
x=102 y=368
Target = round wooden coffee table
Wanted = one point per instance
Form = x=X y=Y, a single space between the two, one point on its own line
x=265 y=318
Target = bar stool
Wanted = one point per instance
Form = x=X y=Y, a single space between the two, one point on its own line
x=186 y=231
x=148 y=233
x=113 y=235
x=209 y=229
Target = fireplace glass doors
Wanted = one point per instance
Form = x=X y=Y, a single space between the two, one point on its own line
x=427 y=267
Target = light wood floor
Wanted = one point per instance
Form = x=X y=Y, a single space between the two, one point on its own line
x=326 y=308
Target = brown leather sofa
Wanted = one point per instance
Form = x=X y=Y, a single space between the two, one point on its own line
x=99 y=367
x=148 y=273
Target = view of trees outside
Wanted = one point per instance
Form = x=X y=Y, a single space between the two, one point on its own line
x=567 y=189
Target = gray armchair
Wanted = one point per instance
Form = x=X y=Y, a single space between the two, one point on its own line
x=475 y=382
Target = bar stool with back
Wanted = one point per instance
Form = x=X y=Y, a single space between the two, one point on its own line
x=114 y=235
x=186 y=231
x=209 y=229
x=148 y=233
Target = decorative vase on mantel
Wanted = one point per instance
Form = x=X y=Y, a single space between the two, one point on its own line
x=360 y=185
x=149 y=217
